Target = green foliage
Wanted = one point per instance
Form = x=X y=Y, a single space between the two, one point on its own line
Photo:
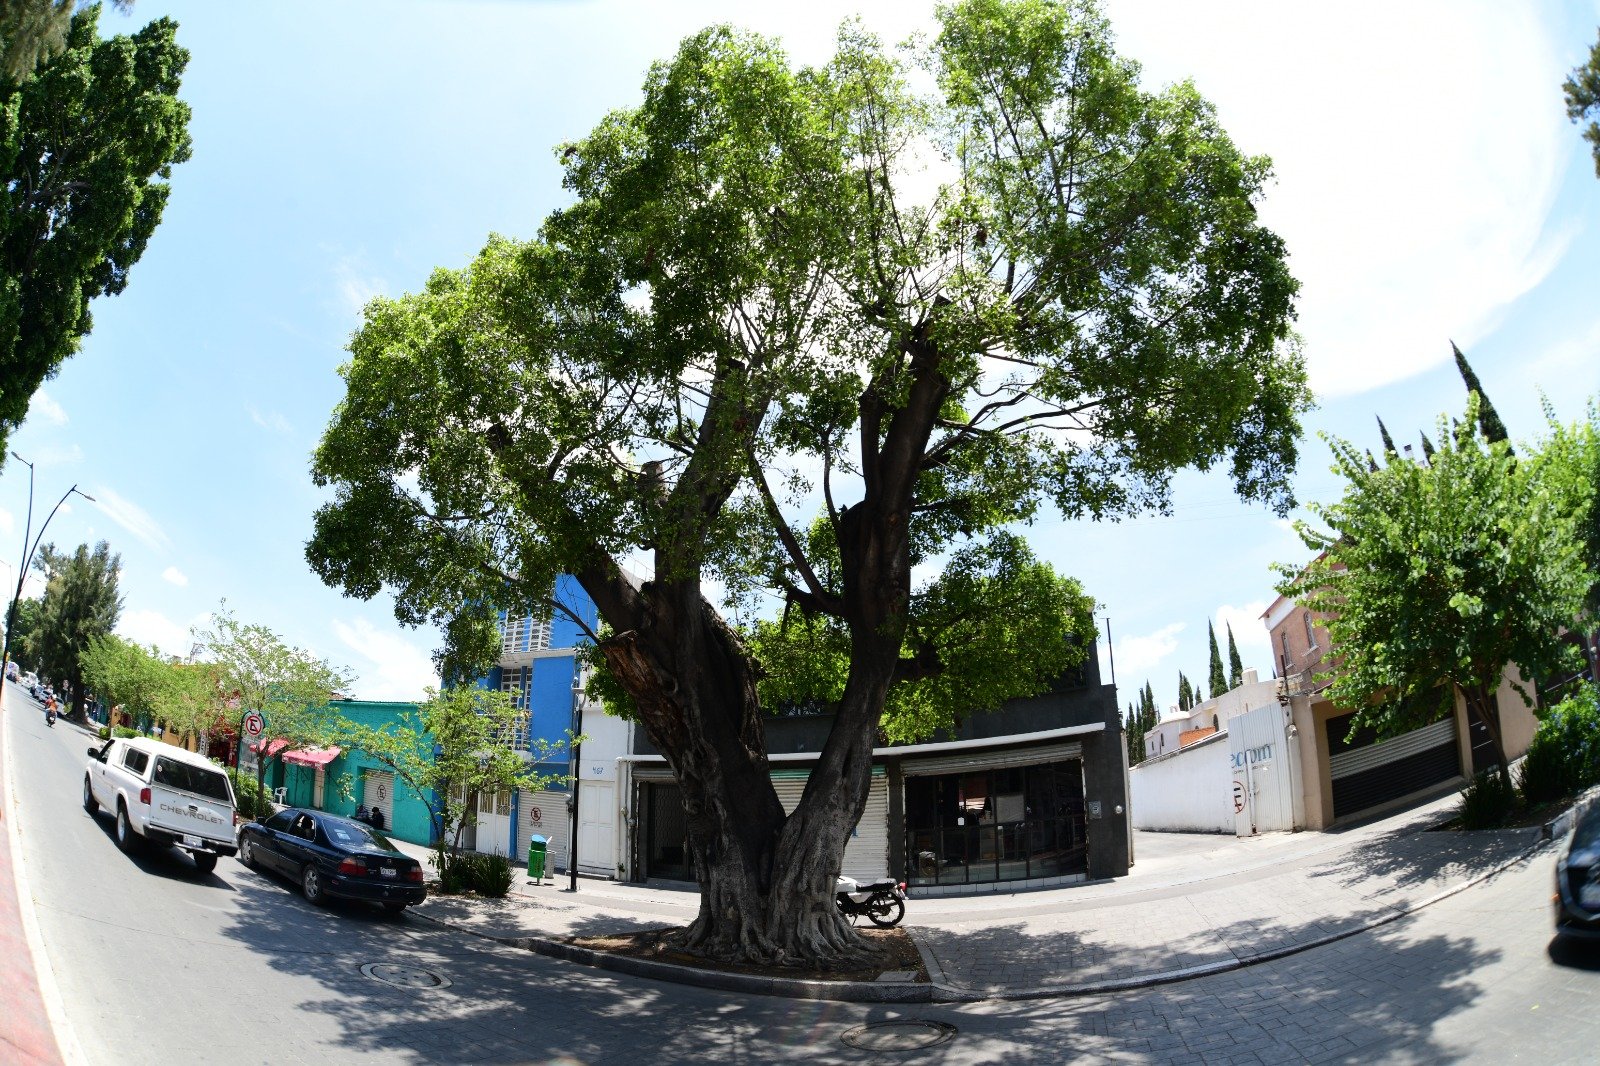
x=1000 y=625
x=31 y=31
x=1564 y=758
x=87 y=141
x=1235 y=665
x=1582 y=91
x=1487 y=800
x=253 y=800
x=468 y=871
x=121 y=673
x=81 y=602
x=123 y=732
x=457 y=744
x=1218 y=680
x=1489 y=424
x=1435 y=576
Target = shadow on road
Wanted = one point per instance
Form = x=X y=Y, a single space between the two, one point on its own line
x=160 y=861
x=1575 y=954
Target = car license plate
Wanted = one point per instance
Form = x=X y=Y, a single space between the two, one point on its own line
x=1589 y=896
x=387 y=871
x=193 y=842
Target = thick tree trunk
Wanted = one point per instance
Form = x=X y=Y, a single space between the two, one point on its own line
x=766 y=881
x=1478 y=700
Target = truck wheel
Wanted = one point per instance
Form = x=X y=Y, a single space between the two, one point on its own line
x=204 y=861
x=88 y=796
x=127 y=839
x=311 y=885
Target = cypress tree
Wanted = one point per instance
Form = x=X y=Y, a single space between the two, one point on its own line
x=1388 y=441
x=1488 y=418
x=1372 y=464
x=1235 y=666
x=1427 y=447
x=1185 y=698
x=1218 y=680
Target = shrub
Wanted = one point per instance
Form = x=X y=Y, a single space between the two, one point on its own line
x=254 y=802
x=1486 y=800
x=105 y=732
x=469 y=871
x=123 y=731
x=1564 y=758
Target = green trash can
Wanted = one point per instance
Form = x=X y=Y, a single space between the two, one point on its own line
x=536 y=850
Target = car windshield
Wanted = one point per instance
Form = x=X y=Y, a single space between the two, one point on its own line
x=187 y=777
x=1587 y=835
x=354 y=835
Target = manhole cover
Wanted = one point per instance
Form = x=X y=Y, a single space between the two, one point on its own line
x=911 y=1035
x=391 y=973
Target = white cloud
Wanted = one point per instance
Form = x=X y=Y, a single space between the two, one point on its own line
x=47 y=408
x=272 y=420
x=1139 y=656
x=133 y=518
x=1417 y=154
x=354 y=287
x=153 y=627
x=399 y=670
x=176 y=576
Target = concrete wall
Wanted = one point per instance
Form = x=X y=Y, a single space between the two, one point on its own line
x=1185 y=791
x=412 y=820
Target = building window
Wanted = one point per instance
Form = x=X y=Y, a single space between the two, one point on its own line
x=1311 y=636
x=1283 y=639
x=524 y=633
x=511 y=683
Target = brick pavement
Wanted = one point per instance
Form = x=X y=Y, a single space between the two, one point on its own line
x=1199 y=905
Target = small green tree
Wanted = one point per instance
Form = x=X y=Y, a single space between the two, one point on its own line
x=1435 y=577
x=291 y=687
x=1489 y=424
x=456 y=745
x=80 y=602
x=1235 y=664
x=124 y=674
x=1218 y=680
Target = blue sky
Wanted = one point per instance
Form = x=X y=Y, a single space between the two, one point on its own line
x=1428 y=185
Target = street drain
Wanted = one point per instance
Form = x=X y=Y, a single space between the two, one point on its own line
x=912 y=1035
x=404 y=976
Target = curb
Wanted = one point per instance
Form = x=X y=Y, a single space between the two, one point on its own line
x=717 y=980
x=939 y=989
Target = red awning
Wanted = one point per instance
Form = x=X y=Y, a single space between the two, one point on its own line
x=273 y=747
x=312 y=756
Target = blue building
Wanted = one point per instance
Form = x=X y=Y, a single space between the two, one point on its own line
x=537 y=667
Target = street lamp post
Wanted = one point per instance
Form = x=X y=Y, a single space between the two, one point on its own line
x=27 y=560
x=577 y=773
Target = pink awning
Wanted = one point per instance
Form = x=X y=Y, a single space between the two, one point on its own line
x=312 y=756
x=273 y=747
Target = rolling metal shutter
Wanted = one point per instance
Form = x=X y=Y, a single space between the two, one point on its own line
x=1369 y=774
x=866 y=853
x=377 y=790
x=551 y=824
x=992 y=760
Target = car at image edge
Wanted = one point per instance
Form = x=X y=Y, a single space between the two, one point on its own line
x=1577 y=896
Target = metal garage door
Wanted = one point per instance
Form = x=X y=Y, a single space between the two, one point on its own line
x=1368 y=772
x=866 y=853
x=544 y=813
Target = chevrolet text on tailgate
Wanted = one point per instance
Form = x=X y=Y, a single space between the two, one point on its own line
x=162 y=794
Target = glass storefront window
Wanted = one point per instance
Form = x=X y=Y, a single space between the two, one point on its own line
x=1006 y=824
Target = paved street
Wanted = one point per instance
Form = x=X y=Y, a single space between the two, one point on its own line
x=159 y=964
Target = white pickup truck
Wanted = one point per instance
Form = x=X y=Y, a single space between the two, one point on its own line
x=165 y=795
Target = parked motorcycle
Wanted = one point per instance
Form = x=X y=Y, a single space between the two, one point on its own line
x=882 y=902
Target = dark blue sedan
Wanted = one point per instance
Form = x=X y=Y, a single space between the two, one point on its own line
x=332 y=857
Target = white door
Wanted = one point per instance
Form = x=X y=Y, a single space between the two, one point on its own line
x=1263 y=785
x=494 y=823
x=377 y=790
x=597 y=848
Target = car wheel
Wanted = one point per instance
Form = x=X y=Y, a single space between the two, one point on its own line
x=247 y=853
x=127 y=839
x=204 y=861
x=395 y=909
x=311 y=885
x=88 y=796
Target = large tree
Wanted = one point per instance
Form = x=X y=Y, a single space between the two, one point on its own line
x=1435 y=577
x=782 y=294
x=81 y=601
x=1582 y=91
x=87 y=141
x=123 y=674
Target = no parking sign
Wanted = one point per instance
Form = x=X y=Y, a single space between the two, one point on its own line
x=254 y=724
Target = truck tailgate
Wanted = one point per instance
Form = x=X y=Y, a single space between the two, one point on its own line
x=187 y=814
